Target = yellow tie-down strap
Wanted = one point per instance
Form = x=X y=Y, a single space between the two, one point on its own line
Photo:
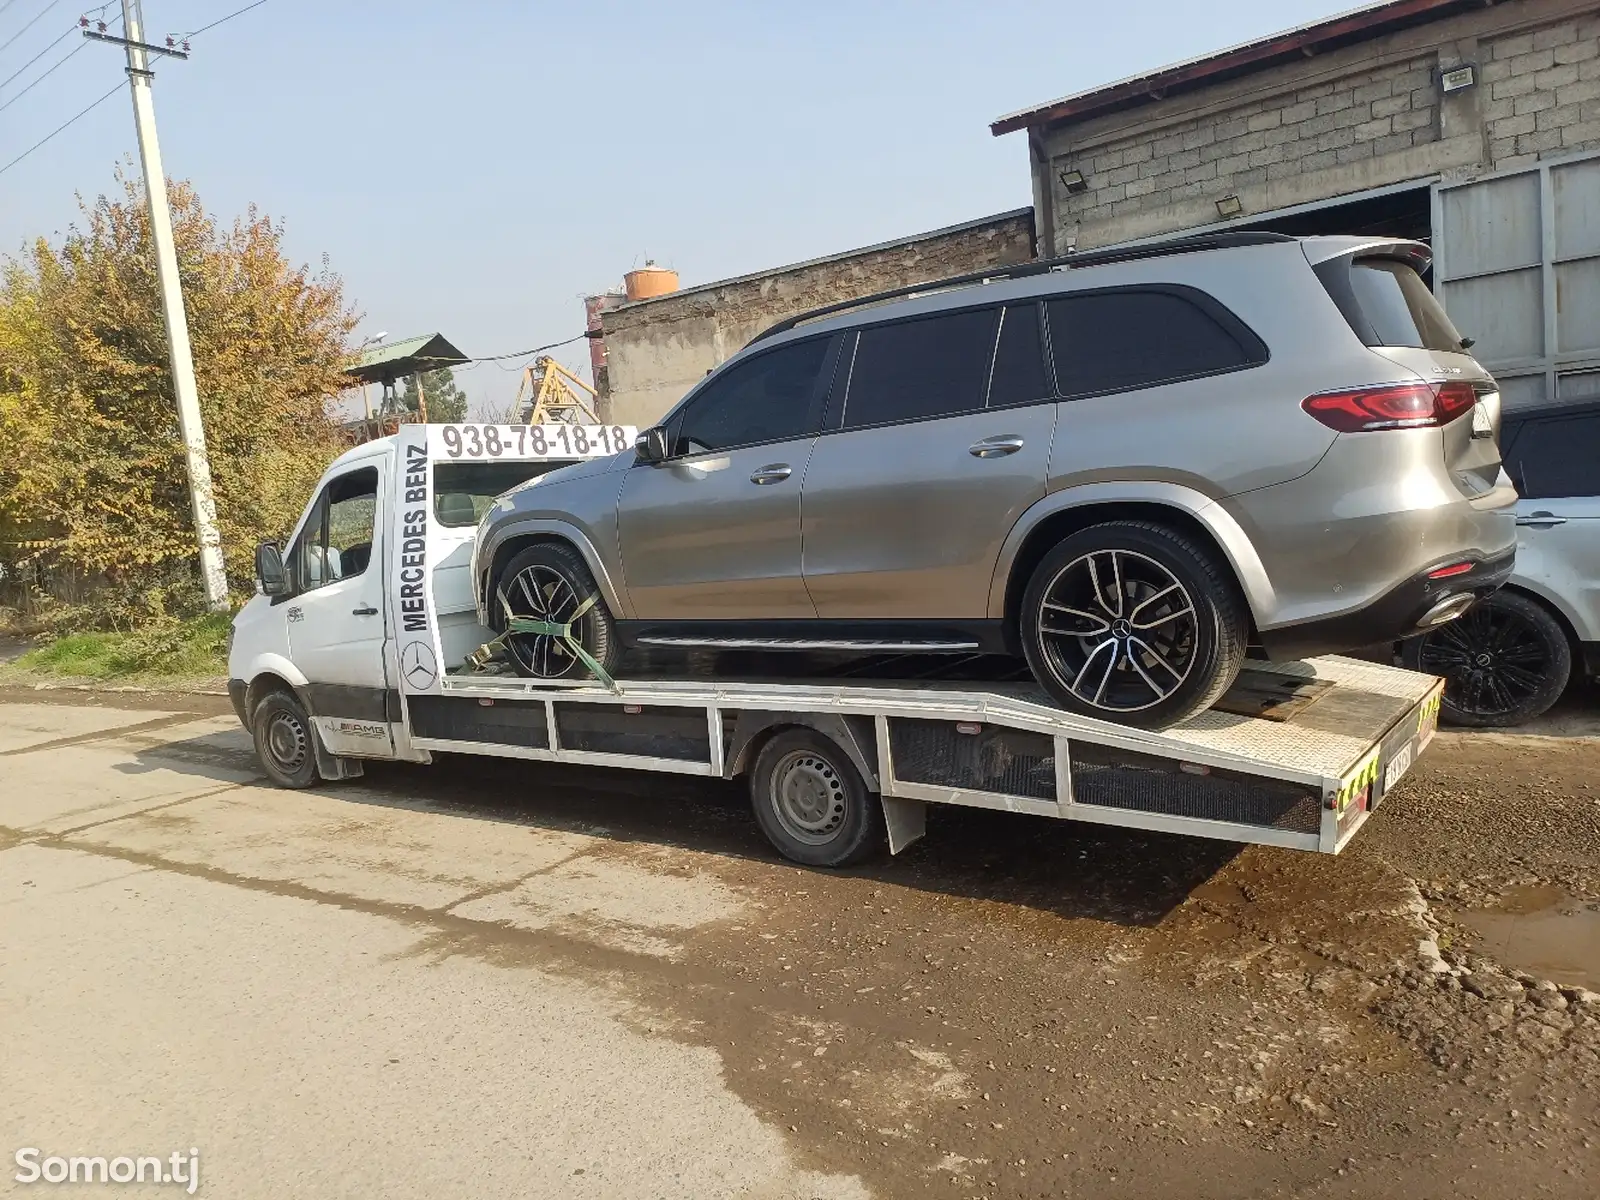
x=1351 y=786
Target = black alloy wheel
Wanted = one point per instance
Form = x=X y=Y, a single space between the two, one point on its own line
x=1504 y=661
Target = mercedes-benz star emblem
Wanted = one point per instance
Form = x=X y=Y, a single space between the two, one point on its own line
x=419 y=666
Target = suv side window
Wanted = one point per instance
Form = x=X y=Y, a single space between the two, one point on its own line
x=1114 y=341
x=1018 y=376
x=920 y=369
x=1555 y=456
x=336 y=542
x=765 y=399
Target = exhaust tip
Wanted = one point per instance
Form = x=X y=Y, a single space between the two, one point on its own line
x=1447 y=609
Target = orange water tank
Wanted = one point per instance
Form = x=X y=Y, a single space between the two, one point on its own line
x=649 y=280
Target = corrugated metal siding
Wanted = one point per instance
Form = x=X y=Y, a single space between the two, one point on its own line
x=1518 y=268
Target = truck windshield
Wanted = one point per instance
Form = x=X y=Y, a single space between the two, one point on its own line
x=463 y=491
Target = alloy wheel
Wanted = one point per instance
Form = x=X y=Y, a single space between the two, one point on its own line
x=541 y=593
x=1493 y=659
x=1119 y=630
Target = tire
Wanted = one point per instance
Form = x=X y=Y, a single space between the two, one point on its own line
x=1098 y=648
x=285 y=740
x=811 y=802
x=548 y=581
x=1529 y=660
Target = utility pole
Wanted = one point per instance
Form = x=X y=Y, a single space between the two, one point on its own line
x=201 y=498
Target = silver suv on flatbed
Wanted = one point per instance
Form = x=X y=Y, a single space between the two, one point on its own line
x=1124 y=466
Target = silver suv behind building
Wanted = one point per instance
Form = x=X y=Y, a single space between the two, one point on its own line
x=1121 y=466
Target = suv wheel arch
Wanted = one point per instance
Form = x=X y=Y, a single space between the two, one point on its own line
x=513 y=539
x=1063 y=513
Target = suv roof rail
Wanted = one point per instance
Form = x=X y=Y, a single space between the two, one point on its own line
x=1093 y=258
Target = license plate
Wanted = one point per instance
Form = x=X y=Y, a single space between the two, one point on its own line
x=1398 y=766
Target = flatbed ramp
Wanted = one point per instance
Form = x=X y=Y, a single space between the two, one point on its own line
x=1297 y=755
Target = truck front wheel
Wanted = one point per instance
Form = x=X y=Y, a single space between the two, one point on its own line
x=284 y=740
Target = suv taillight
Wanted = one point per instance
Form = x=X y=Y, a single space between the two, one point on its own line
x=1391 y=406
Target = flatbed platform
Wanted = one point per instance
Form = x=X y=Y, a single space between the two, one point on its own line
x=1297 y=755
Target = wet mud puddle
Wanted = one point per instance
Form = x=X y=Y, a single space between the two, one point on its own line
x=1543 y=932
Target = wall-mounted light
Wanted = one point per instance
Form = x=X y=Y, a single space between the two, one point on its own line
x=1229 y=206
x=1456 y=79
x=1074 y=181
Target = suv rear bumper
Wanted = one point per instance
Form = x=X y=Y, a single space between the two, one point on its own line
x=1401 y=612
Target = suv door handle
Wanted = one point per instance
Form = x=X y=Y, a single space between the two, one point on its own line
x=365 y=611
x=996 y=447
x=771 y=473
x=1541 y=520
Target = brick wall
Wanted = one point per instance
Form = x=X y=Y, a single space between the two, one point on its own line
x=657 y=349
x=1543 y=92
x=1361 y=117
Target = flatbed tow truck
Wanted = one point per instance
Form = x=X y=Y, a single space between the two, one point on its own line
x=360 y=650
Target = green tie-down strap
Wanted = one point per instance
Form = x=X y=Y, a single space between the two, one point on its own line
x=555 y=629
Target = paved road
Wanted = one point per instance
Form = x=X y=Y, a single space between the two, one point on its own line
x=495 y=978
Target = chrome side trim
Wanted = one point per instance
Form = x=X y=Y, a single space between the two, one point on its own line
x=737 y=643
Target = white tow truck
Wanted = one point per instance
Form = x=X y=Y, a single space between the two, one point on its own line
x=358 y=648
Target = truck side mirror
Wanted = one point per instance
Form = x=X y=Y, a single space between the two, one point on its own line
x=652 y=445
x=270 y=574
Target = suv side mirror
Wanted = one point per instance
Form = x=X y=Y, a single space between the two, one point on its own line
x=652 y=445
x=270 y=574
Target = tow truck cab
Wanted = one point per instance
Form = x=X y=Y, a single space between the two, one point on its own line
x=385 y=543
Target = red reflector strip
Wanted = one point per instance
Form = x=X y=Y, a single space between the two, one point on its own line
x=968 y=727
x=1460 y=568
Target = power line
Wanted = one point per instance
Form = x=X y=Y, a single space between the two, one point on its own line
x=71 y=29
x=531 y=353
x=59 y=63
x=5 y=6
x=221 y=20
x=29 y=25
x=117 y=87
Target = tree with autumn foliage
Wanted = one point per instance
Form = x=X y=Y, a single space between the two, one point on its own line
x=92 y=475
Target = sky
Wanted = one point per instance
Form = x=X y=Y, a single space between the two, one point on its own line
x=475 y=168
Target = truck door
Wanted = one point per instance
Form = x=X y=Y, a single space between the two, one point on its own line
x=336 y=611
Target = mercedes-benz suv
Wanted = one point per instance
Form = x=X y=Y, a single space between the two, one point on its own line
x=1125 y=467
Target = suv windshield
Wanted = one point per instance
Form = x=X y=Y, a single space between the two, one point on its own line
x=463 y=491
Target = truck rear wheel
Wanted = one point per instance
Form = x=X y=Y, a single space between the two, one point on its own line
x=285 y=740
x=812 y=803
x=549 y=581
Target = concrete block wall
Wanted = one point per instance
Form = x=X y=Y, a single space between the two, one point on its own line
x=1365 y=116
x=1543 y=90
x=657 y=349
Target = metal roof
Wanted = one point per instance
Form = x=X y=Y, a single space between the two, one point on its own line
x=1330 y=33
x=393 y=360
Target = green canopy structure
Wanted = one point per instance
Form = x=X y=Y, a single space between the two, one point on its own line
x=389 y=361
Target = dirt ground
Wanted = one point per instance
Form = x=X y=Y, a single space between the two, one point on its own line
x=1013 y=1007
